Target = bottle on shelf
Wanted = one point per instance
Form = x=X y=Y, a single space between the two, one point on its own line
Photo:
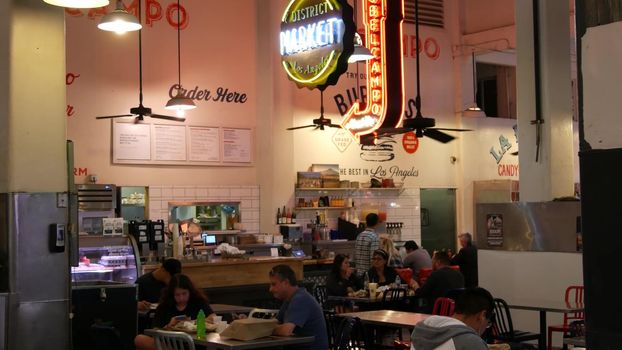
x=283 y=216
x=288 y=217
x=278 y=216
x=293 y=217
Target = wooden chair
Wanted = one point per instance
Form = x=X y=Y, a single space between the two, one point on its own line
x=574 y=294
x=444 y=307
x=166 y=340
x=503 y=328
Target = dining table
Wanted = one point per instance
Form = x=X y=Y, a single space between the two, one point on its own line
x=221 y=309
x=543 y=308
x=214 y=341
x=388 y=318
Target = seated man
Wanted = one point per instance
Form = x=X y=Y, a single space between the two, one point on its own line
x=151 y=285
x=300 y=314
x=462 y=331
x=442 y=280
x=416 y=258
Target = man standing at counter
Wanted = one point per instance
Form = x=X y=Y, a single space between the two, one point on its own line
x=366 y=242
x=150 y=285
x=300 y=314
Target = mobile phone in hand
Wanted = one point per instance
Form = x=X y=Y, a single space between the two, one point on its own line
x=180 y=317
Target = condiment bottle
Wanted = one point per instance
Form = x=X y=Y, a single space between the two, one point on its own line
x=201 y=325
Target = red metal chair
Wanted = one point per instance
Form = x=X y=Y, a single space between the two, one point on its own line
x=424 y=273
x=406 y=274
x=574 y=294
x=443 y=307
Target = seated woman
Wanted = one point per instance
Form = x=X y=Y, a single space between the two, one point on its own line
x=341 y=280
x=379 y=272
x=395 y=259
x=180 y=298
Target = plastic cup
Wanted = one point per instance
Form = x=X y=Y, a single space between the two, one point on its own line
x=372 y=290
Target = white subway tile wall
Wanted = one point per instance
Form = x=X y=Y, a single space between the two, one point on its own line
x=248 y=196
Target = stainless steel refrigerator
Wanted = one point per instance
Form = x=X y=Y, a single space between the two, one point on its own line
x=34 y=270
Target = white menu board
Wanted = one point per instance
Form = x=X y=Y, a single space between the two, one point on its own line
x=236 y=145
x=170 y=142
x=204 y=144
x=131 y=141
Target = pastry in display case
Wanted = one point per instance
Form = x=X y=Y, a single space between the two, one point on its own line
x=106 y=259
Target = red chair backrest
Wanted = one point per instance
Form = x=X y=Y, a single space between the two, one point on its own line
x=574 y=296
x=444 y=307
x=455 y=267
x=424 y=273
x=406 y=274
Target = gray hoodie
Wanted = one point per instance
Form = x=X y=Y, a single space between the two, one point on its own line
x=445 y=333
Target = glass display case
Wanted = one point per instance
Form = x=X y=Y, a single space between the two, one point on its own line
x=106 y=259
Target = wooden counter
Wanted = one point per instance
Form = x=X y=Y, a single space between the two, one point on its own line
x=234 y=272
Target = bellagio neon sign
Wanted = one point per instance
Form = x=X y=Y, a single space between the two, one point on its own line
x=385 y=79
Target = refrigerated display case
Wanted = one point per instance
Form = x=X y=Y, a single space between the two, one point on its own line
x=106 y=259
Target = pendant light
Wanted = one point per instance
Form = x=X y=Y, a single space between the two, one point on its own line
x=361 y=53
x=179 y=103
x=119 y=21
x=78 y=4
x=473 y=109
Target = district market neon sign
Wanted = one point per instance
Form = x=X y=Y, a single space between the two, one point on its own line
x=385 y=74
x=316 y=40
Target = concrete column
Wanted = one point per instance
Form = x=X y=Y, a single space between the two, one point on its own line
x=32 y=97
x=552 y=175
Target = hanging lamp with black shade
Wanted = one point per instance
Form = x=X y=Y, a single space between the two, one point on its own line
x=473 y=109
x=179 y=102
x=361 y=53
x=119 y=21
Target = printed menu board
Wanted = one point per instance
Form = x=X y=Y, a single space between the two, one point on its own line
x=236 y=145
x=132 y=141
x=204 y=144
x=172 y=144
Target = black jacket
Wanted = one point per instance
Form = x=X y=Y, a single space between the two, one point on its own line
x=467 y=260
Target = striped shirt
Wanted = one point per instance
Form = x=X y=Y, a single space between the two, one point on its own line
x=366 y=242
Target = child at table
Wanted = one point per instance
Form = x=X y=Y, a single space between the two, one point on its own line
x=180 y=298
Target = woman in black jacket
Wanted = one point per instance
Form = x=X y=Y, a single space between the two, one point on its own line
x=341 y=280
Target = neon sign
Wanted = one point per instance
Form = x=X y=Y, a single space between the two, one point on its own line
x=316 y=40
x=385 y=76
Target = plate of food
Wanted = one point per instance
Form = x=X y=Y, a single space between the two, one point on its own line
x=191 y=327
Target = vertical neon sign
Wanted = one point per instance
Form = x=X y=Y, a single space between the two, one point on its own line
x=385 y=74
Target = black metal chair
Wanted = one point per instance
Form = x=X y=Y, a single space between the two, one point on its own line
x=352 y=335
x=503 y=328
x=321 y=295
x=106 y=337
x=332 y=327
x=394 y=299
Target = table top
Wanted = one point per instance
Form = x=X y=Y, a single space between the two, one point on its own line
x=230 y=309
x=389 y=317
x=559 y=306
x=214 y=341
x=354 y=299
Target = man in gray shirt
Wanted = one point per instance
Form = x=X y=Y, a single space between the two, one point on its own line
x=462 y=331
x=416 y=258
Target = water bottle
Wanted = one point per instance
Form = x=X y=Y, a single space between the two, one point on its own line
x=366 y=281
x=398 y=281
x=201 y=324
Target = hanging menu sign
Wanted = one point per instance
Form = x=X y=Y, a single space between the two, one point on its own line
x=170 y=142
x=236 y=145
x=317 y=37
x=132 y=141
x=204 y=144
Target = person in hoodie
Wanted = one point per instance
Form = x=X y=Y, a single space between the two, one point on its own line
x=463 y=330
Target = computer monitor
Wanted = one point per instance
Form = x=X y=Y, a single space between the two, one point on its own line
x=209 y=239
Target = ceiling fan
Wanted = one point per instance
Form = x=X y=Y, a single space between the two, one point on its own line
x=421 y=125
x=141 y=111
x=321 y=122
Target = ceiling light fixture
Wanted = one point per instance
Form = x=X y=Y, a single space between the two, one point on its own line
x=119 y=21
x=473 y=109
x=78 y=4
x=179 y=103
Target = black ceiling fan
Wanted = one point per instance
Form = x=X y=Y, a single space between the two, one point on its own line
x=141 y=111
x=421 y=125
x=321 y=122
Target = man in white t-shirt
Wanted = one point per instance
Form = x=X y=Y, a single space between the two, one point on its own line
x=462 y=331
